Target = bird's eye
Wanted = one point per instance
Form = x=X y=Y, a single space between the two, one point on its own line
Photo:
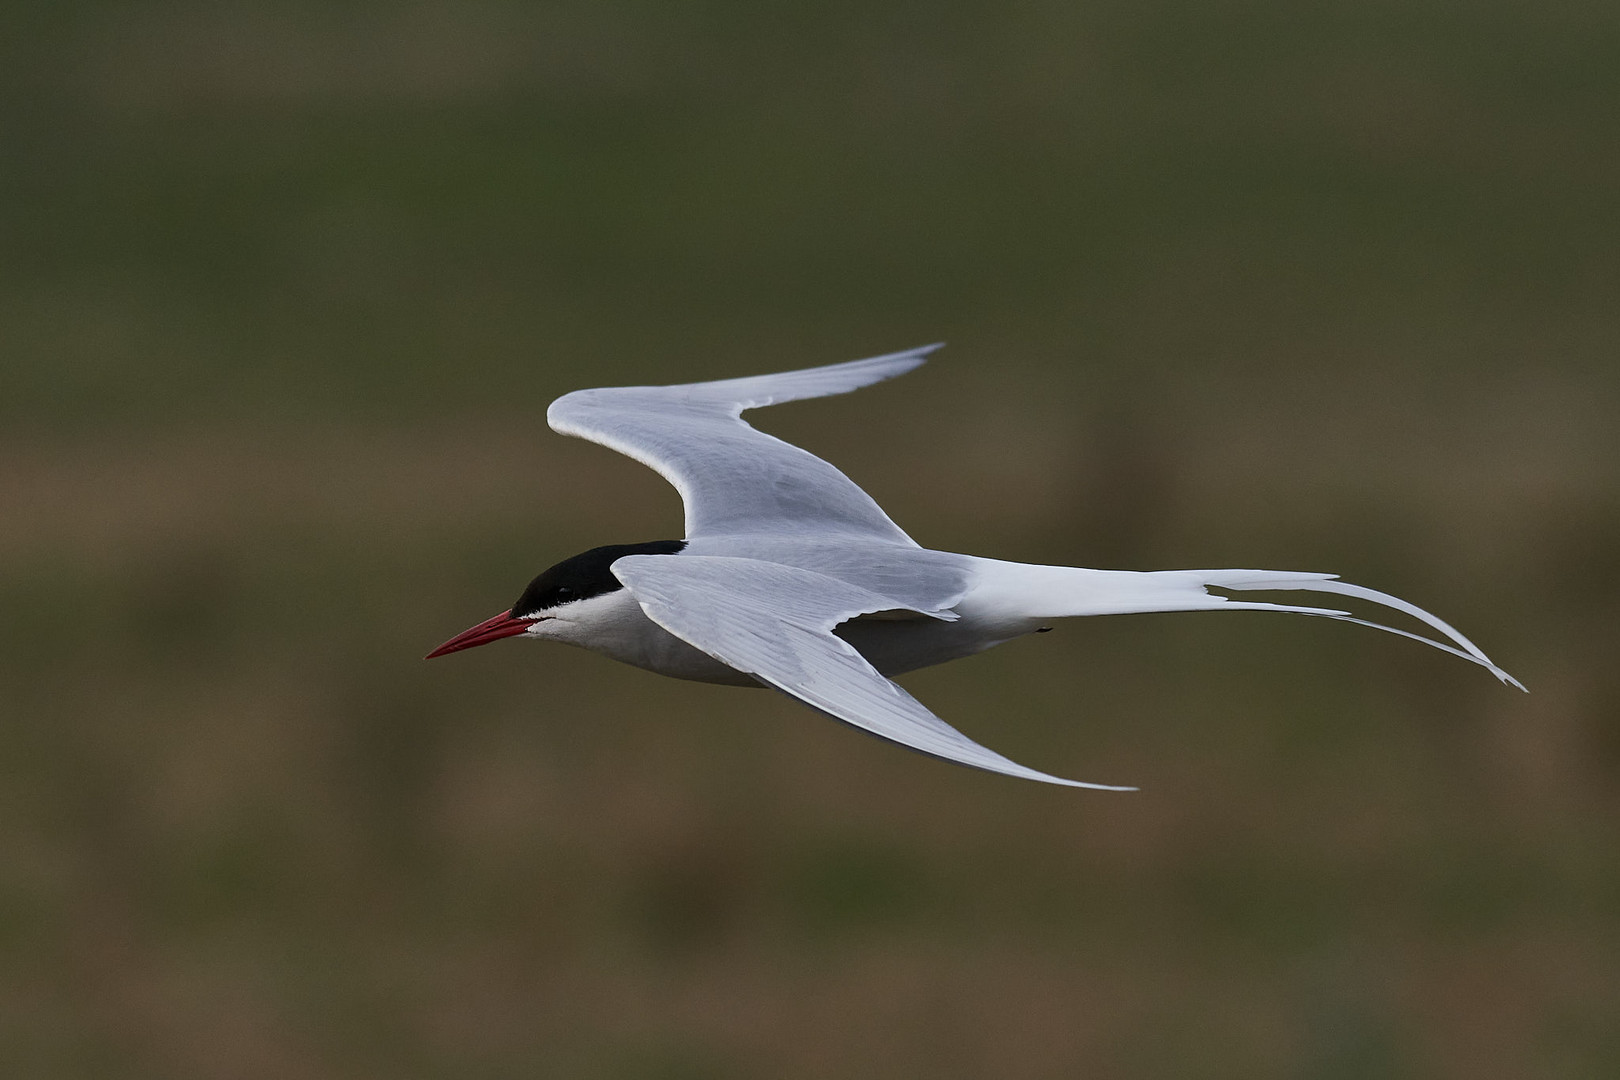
x=564 y=592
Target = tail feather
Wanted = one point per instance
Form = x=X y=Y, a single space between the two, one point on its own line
x=1055 y=592
x=1247 y=580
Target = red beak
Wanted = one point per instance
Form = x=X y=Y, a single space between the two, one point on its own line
x=503 y=625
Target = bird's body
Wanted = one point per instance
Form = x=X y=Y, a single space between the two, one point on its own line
x=894 y=641
x=791 y=577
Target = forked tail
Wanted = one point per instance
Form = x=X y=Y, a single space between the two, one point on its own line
x=1050 y=592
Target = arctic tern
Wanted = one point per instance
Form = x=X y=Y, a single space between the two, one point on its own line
x=792 y=577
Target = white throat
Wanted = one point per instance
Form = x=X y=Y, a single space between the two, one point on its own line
x=614 y=625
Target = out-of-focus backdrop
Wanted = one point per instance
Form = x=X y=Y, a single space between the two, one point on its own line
x=286 y=288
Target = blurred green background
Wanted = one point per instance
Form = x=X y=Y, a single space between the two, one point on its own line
x=286 y=288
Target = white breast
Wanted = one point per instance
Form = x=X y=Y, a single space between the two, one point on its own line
x=613 y=624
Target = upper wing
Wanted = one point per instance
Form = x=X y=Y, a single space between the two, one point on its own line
x=775 y=623
x=732 y=478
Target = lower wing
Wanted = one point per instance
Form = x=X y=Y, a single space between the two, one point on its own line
x=775 y=623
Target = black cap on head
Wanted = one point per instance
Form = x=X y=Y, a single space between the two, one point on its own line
x=584 y=576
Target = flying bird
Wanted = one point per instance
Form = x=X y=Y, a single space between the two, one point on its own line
x=792 y=577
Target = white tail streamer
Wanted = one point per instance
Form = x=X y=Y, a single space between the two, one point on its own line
x=1050 y=592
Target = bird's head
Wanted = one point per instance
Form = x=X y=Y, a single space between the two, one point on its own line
x=554 y=602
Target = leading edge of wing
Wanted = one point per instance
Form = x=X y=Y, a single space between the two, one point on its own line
x=775 y=623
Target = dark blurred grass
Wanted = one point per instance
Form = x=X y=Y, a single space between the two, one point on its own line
x=284 y=290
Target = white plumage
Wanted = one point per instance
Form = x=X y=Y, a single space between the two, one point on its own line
x=792 y=577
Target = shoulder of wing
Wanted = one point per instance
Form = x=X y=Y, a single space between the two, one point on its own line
x=586 y=410
x=571 y=409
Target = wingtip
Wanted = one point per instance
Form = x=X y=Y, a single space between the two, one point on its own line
x=916 y=355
